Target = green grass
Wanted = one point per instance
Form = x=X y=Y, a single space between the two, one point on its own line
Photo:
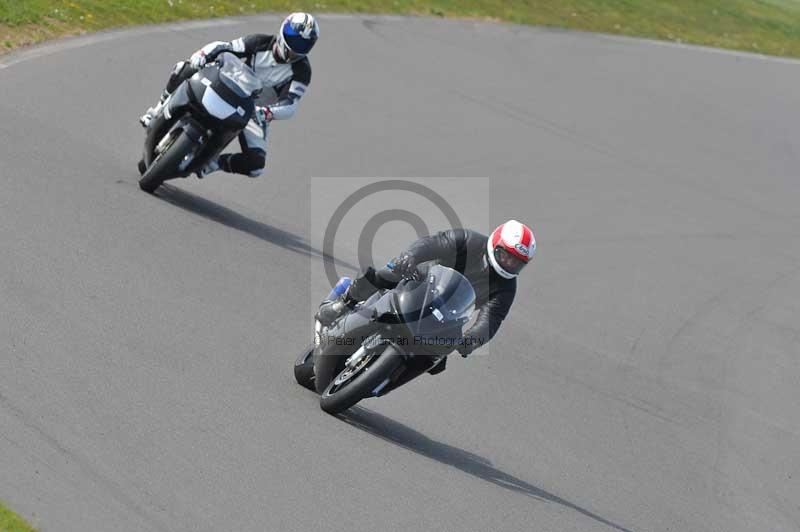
x=11 y=522
x=766 y=26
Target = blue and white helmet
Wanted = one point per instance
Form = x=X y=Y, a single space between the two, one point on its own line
x=298 y=34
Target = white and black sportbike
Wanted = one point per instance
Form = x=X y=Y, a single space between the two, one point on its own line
x=388 y=340
x=202 y=116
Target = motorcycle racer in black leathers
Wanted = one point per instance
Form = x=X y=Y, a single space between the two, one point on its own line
x=280 y=61
x=491 y=264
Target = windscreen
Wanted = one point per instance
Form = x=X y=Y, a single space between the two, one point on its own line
x=237 y=75
x=443 y=300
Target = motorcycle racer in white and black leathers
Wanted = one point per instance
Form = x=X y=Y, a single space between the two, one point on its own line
x=491 y=264
x=281 y=62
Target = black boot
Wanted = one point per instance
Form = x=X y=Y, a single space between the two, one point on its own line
x=360 y=290
x=151 y=113
x=330 y=311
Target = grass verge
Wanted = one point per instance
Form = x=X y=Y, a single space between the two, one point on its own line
x=11 y=522
x=765 y=26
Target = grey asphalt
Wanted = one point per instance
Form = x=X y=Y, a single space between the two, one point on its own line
x=646 y=380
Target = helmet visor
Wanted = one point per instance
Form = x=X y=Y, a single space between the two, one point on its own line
x=287 y=54
x=510 y=263
x=297 y=43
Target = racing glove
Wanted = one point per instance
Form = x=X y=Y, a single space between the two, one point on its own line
x=198 y=60
x=405 y=265
x=209 y=51
x=263 y=115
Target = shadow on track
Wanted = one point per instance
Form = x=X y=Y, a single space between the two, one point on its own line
x=220 y=214
x=395 y=432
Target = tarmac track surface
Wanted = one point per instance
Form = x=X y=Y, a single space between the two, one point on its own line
x=646 y=380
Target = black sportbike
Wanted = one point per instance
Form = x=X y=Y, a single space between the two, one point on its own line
x=389 y=339
x=202 y=116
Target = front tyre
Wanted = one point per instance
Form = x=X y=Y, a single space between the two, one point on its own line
x=166 y=165
x=348 y=389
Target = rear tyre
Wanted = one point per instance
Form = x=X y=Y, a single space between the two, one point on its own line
x=304 y=368
x=339 y=396
x=165 y=165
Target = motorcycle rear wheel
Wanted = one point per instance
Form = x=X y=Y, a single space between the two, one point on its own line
x=304 y=369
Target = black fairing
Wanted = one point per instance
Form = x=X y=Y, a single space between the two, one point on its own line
x=436 y=308
x=187 y=112
x=424 y=319
x=210 y=77
x=428 y=315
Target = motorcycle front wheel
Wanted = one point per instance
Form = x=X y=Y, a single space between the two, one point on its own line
x=166 y=164
x=365 y=380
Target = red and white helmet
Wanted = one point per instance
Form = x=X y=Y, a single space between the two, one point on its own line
x=510 y=247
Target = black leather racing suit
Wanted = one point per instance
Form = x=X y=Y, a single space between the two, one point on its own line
x=464 y=251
